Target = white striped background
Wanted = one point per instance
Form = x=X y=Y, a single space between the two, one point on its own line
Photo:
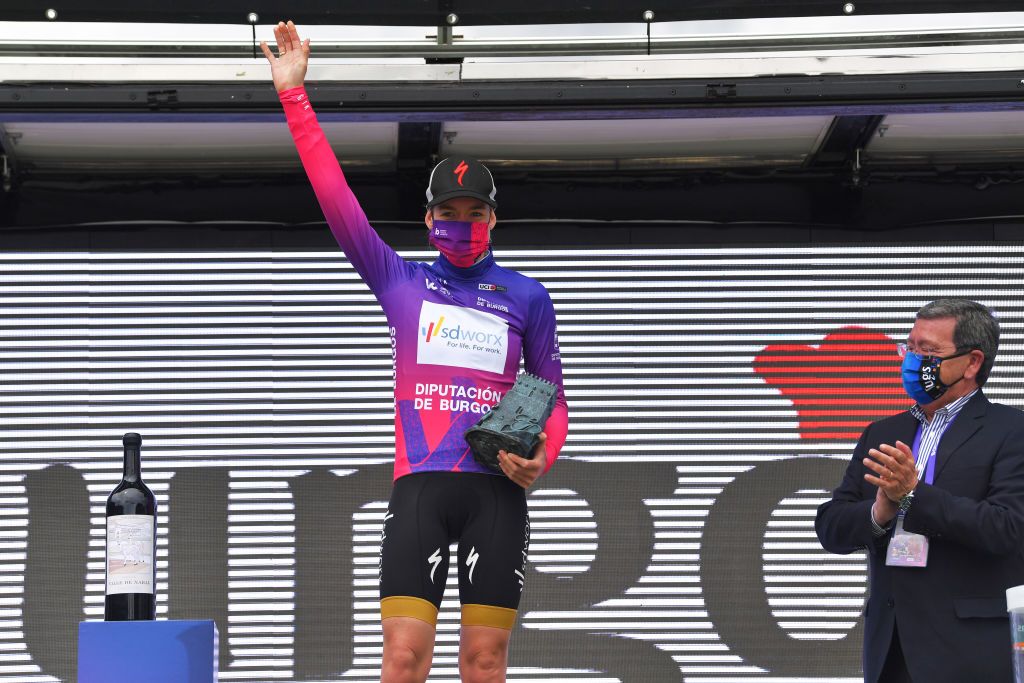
x=658 y=348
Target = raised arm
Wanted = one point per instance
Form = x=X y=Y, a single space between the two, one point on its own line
x=376 y=262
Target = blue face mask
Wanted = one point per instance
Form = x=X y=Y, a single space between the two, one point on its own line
x=921 y=377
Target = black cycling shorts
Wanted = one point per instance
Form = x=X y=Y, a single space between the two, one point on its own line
x=428 y=511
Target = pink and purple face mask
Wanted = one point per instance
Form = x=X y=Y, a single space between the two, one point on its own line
x=462 y=242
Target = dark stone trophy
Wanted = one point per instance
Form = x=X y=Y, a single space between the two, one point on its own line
x=515 y=424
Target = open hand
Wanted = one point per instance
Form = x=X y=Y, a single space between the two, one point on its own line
x=289 y=67
x=522 y=471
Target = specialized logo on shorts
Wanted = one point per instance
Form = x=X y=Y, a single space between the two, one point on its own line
x=435 y=560
x=462 y=338
x=471 y=561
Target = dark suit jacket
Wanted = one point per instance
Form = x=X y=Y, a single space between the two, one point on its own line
x=951 y=615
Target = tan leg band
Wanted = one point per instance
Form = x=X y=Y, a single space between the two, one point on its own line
x=405 y=606
x=488 y=615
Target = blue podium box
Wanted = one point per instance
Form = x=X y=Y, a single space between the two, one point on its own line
x=152 y=651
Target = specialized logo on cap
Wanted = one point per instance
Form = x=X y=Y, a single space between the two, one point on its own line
x=460 y=170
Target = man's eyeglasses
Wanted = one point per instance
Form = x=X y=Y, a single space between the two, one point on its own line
x=903 y=349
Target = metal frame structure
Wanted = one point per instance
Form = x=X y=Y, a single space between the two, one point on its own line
x=854 y=71
x=476 y=12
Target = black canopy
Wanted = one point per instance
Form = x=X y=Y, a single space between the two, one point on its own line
x=480 y=12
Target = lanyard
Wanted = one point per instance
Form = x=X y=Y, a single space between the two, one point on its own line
x=925 y=461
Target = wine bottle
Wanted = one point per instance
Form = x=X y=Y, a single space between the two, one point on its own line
x=131 y=543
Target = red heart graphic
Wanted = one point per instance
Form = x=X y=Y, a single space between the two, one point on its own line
x=839 y=387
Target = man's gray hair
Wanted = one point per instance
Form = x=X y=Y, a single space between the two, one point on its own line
x=976 y=328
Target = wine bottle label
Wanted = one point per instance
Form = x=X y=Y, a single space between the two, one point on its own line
x=130 y=555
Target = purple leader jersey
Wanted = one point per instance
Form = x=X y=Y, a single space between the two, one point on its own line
x=457 y=334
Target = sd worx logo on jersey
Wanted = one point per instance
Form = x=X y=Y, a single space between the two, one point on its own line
x=461 y=337
x=428 y=332
x=458 y=333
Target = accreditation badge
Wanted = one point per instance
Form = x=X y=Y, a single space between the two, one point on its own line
x=906 y=549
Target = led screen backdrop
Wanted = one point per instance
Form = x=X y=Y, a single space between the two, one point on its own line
x=714 y=395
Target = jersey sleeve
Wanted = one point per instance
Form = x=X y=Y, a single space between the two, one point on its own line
x=543 y=359
x=376 y=262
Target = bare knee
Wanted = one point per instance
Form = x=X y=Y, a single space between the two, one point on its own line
x=401 y=663
x=407 y=653
x=483 y=661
